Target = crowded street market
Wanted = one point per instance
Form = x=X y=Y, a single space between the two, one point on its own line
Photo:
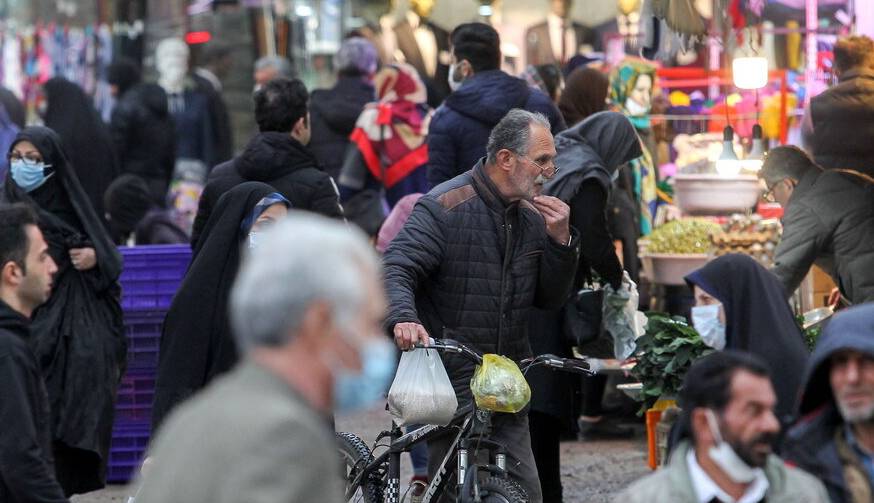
x=428 y=251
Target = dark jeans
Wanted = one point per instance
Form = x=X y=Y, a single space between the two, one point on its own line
x=545 y=433
x=418 y=454
x=511 y=431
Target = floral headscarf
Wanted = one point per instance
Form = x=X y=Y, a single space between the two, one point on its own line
x=623 y=79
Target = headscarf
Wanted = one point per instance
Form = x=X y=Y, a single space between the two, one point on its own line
x=390 y=133
x=78 y=333
x=623 y=79
x=124 y=73
x=758 y=319
x=62 y=203
x=84 y=137
x=645 y=179
x=196 y=342
x=594 y=148
x=585 y=93
x=395 y=221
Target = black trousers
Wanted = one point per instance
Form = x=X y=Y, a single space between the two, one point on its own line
x=545 y=433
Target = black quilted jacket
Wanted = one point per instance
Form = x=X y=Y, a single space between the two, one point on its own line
x=470 y=266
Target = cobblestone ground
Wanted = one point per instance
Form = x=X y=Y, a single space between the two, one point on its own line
x=591 y=471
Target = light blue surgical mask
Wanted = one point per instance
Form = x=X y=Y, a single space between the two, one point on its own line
x=706 y=321
x=30 y=176
x=253 y=240
x=359 y=390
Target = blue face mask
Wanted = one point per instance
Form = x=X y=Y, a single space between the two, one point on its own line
x=353 y=391
x=29 y=176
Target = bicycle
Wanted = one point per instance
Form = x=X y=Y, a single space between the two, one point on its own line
x=376 y=479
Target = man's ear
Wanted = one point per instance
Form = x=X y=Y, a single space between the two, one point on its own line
x=505 y=159
x=701 y=427
x=10 y=274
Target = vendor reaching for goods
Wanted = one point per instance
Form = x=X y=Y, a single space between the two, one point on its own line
x=828 y=220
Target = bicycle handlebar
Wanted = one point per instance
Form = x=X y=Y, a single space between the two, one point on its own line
x=546 y=360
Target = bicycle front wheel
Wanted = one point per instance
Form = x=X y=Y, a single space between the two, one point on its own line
x=499 y=490
x=355 y=456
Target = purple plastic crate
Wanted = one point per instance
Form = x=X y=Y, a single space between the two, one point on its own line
x=151 y=275
x=133 y=402
x=143 y=332
x=129 y=443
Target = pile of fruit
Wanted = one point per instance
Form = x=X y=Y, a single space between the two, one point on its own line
x=684 y=236
x=750 y=235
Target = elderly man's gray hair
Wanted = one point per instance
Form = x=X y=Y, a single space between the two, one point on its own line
x=303 y=259
x=786 y=161
x=513 y=133
x=280 y=63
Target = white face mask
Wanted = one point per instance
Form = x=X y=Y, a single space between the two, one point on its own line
x=705 y=319
x=454 y=84
x=635 y=109
x=726 y=458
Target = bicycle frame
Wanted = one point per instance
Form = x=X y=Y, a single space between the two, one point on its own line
x=473 y=425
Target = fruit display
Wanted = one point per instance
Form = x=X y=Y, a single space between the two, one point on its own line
x=751 y=235
x=685 y=236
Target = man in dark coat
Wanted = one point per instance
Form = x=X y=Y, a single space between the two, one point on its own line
x=142 y=129
x=841 y=119
x=26 y=269
x=828 y=221
x=835 y=437
x=334 y=111
x=460 y=128
x=216 y=62
x=277 y=155
x=475 y=256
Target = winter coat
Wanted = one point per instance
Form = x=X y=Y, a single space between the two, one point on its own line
x=469 y=266
x=843 y=123
x=144 y=136
x=159 y=228
x=461 y=126
x=811 y=444
x=673 y=483
x=26 y=469
x=333 y=113
x=829 y=221
x=280 y=161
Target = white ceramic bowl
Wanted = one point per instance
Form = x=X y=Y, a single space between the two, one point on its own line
x=671 y=268
x=716 y=194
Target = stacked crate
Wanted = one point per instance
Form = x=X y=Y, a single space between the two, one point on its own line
x=149 y=279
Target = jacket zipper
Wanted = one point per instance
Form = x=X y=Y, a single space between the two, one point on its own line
x=503 y=314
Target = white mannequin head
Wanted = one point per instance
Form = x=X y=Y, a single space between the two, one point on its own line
x=171 y=61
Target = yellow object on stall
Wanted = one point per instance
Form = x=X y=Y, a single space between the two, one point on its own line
x=499 y=386
x=770 y=118
x=679 y=99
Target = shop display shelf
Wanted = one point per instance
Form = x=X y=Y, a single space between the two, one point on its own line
x=143 y=331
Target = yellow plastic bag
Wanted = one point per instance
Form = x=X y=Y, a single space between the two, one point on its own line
x=499 y=386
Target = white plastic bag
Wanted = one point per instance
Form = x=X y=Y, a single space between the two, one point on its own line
x=421 y=392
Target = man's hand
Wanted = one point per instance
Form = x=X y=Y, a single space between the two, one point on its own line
x=408 y=334
x=557 y=216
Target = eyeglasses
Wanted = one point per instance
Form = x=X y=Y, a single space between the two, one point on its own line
x=769 y=195
x=28 y=158
x=547 y=171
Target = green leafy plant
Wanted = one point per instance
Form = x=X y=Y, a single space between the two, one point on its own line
x=811 y=335
x=664 y=354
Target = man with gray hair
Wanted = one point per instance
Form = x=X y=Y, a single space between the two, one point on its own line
x=268 y=68
x=828 y=220
x=477 y=253
x=312 y=345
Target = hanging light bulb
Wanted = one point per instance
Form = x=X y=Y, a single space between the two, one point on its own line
x=750 y=73
x=728 y=164
x=756 y=157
